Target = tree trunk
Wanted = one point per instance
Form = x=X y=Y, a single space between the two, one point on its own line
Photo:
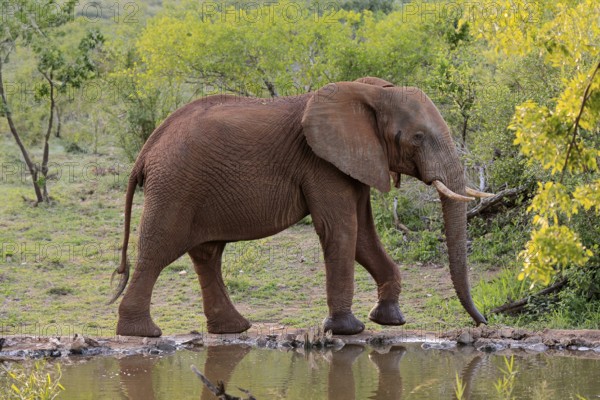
x=33 y=170
x=58 y=122
x=47 y=137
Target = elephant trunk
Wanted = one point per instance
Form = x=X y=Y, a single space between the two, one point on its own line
x=455 y=221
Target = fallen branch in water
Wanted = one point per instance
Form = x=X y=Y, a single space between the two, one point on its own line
x=501 y=196
x=219 y=389
x=517 y=306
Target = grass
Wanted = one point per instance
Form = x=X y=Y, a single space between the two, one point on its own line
x=40 y=381
x=56 y=262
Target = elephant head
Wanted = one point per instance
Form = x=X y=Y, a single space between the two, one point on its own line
x=370 y=128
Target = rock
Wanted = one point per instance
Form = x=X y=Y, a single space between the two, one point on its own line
x=55 y=342
x=518 y=334
x=55 y=353
x=537 y=347
x=78 y=345
x=290 y=337
x=261 y=342
x=437 y=345
x=379 y=340
x=533 y=339
x=194 y=342
x=489 y=346
x=507 y=333
x=91 y=342
x=166 y=345
x=183 y=273
x=578 y=348
x=465 y=338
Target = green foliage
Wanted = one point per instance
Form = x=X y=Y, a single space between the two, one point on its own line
x=376 y=6
x=560 y=137
x=489 y=294
x=459 y=388
x=37 y=383
x=495 y=240
x=506 y=385
x=185 y=53
x=31 y=26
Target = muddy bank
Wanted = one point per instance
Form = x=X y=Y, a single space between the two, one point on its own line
x=505 y=340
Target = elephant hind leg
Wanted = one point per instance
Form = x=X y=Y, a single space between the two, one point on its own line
x=221 y=315
x=162 y=240
x=134 y=310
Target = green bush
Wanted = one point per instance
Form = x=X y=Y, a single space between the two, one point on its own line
x=38 y=382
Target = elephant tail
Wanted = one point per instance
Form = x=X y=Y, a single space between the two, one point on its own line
x=123 y=268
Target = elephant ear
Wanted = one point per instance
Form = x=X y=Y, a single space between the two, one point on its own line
x=371 y=80
x=340 y=125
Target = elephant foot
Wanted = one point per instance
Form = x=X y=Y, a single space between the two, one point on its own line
x=138 y=327
x=236 y=324
x=343 y=324
x=388 y=362
x=387 y=312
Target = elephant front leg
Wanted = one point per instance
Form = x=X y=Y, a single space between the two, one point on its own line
x=338 y=248
x=371 y=255
x=221 y=315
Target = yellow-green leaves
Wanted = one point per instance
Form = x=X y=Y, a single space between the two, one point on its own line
x=562 y=136
x=542 y=135
x=553 y=245
x=552 y=201
x=551 y=248
x=588 y=196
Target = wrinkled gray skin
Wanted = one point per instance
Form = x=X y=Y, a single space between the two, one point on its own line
x=225 y=168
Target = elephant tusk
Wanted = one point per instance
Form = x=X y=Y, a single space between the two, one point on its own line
x=449 y=193
x=477 y=193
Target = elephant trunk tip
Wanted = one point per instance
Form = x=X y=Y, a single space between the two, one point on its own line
x=479 y=319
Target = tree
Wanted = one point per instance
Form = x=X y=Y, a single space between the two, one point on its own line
x=561 y=137
x=32 y=24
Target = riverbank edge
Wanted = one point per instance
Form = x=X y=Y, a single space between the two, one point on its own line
x=504 y=340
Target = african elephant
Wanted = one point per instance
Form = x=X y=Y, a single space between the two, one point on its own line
x=225 y=168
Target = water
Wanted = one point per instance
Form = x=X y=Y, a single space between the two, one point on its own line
x=355 y=372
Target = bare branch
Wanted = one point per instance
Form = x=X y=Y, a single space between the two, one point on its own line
x=517 y=306
x=489 y=202
x=586 y=96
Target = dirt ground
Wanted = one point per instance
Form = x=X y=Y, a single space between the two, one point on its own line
x=584 y=343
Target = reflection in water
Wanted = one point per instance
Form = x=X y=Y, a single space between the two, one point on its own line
x=468 y=375
x=340 y=378
x=136 y=377
x=354 y=372
x=388 y=368
x=219 y=365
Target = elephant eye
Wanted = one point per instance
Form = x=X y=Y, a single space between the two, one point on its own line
x=419 y=137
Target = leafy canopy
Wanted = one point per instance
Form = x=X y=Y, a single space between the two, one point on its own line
x=561 y=138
